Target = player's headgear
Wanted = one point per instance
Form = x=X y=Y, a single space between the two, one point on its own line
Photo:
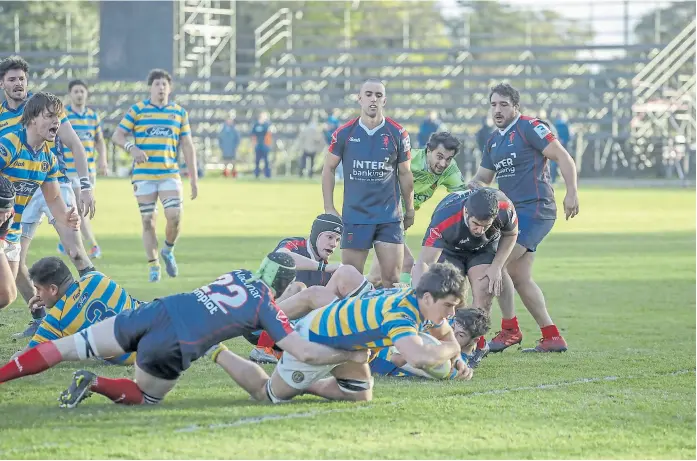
x=7 y=203
x=277 y=270
x=324 y=223
x=482 y=204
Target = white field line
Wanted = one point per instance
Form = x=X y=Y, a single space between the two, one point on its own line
x=311 y=414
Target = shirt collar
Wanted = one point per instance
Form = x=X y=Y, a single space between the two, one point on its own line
x=515 y=120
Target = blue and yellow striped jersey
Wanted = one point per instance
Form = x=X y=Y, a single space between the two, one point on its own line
x=374 y=320
x=10 y=118
x=157 y=131
x=88 y=127
x=27 y=170
x=95 y=297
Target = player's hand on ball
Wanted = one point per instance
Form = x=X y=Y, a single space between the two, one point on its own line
x=462 y=371
x=138 y=155
x=571 y=207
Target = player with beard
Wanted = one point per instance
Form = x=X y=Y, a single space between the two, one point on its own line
x=432 y=167
x=375 y=152
x=327 y=281
x=517 y=154
x=476 y=231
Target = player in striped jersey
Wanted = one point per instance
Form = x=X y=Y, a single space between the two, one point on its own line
x=13 y=82
x=87 y=125
x=8 y=291
x=74 y=305
x=431 y=167
x=159 y=127
x=468 y=324
x=371 y=321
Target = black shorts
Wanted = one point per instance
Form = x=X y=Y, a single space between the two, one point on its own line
x=149 y=332
x=465 y=260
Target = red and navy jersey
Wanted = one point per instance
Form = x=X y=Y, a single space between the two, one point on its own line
x=261 y=134
x=522 y=171
x=299 y=246
x=235 y=303
x=449 y=231
x=370 y=160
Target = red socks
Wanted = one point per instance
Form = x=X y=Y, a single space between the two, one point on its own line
x=121 y=390
x=550 y=331
x=265 y=340
x=510 y=324
x=481 y=344
x=35 y=360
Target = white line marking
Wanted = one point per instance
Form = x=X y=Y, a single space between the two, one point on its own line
x=310 y=414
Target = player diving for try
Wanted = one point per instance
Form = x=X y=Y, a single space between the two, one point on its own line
x=371 y=321
x=475 y=231
x=432 y=167
x=170 y=333
x=317 y=282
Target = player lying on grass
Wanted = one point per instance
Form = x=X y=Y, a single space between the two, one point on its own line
x=170 y=333
x=468 y=325
x=8 y=290
x=313 y=269
x=475 y=231
x=374 y=320
x=432 y=167
x=74 y=305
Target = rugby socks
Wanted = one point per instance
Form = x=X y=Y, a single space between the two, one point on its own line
x=38 y=314
x=510 y=324
x=153 y=262
x=481 y=343
x=550 y=331
x=265 y=340
x=84 y=271
x=169 y=247
x=33 y=361
x=123 y=391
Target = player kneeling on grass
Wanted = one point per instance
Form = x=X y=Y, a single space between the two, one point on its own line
x=170 y=333
x=74 y=305
x=468 y=325
x=476 y=231
x=317 y=282
x=374 y=320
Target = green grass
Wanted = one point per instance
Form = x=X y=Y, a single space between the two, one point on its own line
x=619 y=281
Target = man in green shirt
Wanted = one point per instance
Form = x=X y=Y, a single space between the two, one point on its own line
x=431 y=167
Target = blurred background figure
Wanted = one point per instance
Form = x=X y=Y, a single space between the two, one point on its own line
x=310 y=141
x=564 y=136
x=229 y=141
x=429 y=126
x=261 y=137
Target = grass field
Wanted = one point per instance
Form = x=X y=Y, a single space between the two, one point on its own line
x=619 y=281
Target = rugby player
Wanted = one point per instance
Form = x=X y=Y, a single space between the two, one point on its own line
x=88 y=127
x=159 y=127
x=8 y=291
x=328 y=281
x=73 y=305
x=517 y=154
x=432 y=167
x=170 y=333
x=468 y=325
x=262 y=131
x=475 y=231
x=374 y=320
x=13 y=81
x=376 y=154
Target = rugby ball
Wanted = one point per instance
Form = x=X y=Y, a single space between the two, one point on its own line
x=441 y=371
